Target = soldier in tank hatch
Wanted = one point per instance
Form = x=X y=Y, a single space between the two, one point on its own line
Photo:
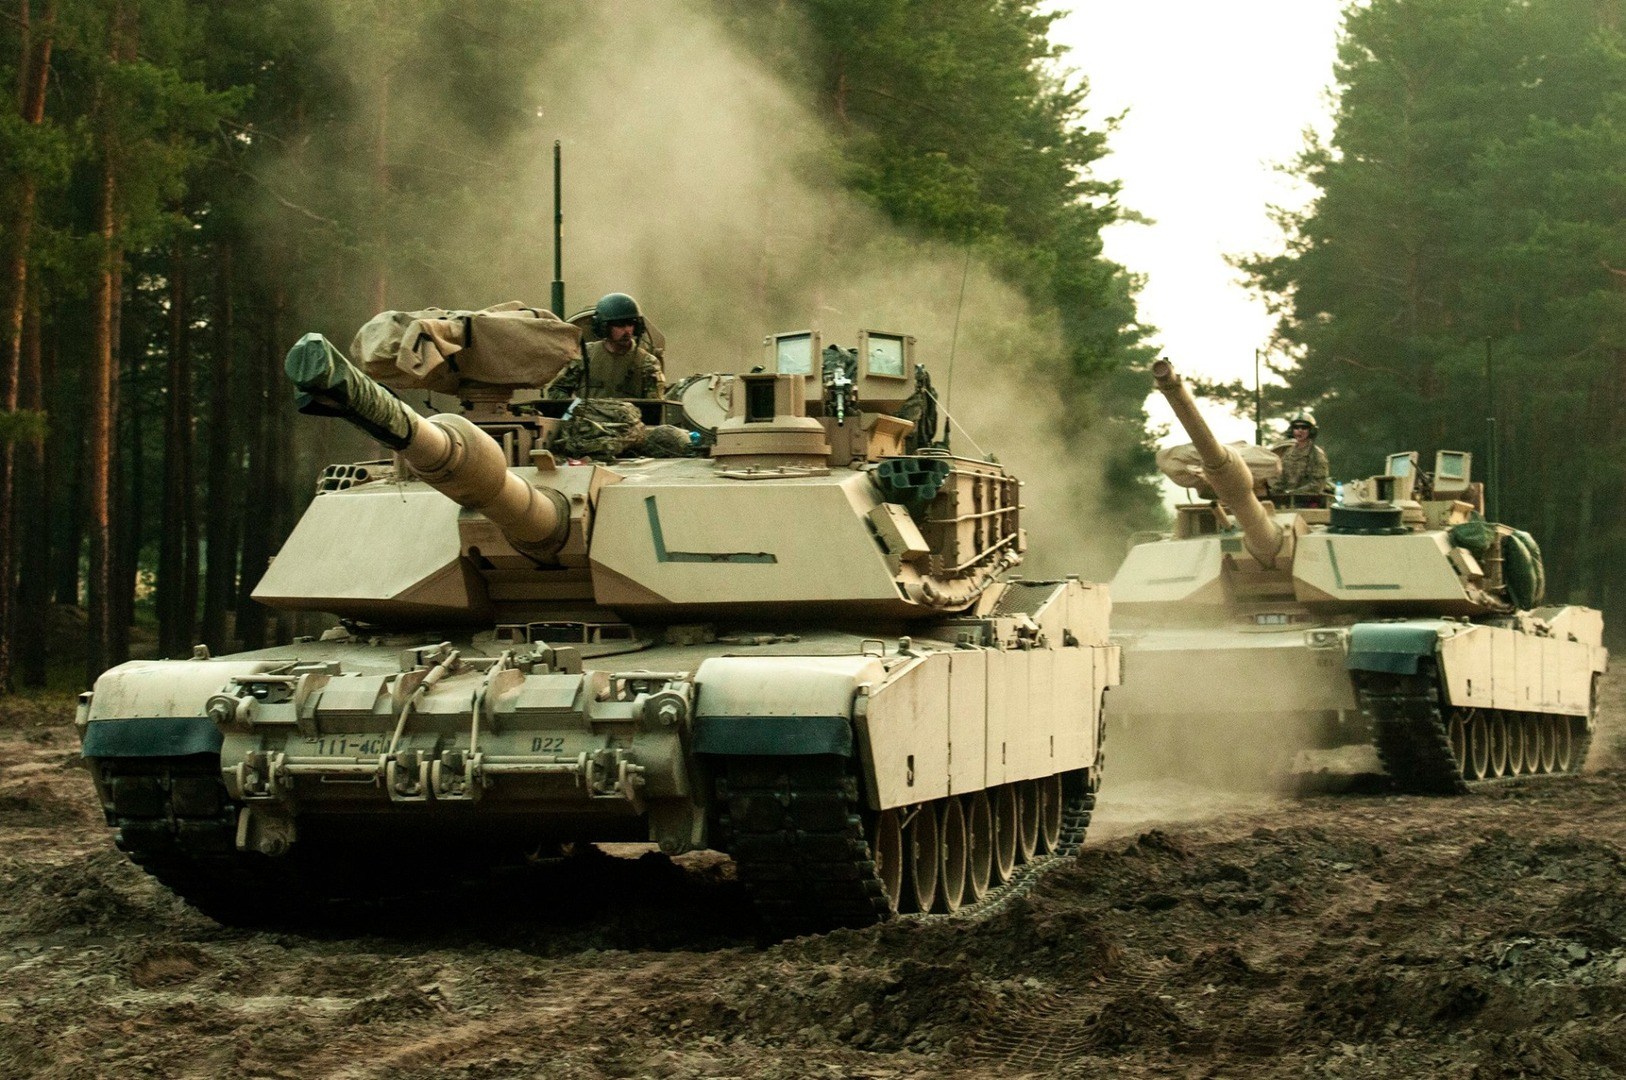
x=617 y=365
x=1304 y=464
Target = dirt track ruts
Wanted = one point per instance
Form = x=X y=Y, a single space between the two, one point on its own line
x=1199 y=934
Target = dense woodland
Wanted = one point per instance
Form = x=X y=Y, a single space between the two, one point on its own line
x=186 y=187
x=1466 y=258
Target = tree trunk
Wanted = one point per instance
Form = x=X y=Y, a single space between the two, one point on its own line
x=128 y=517
x=129 y=522
x=259 y=507
x=35 y=491
x=33 y=67
x=220 y=538
x=99 y=430
x=177 y=541
x=66 y=442
x=102 y=392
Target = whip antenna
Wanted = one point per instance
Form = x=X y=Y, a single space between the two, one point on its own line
x=954 y=341
x=558 y=239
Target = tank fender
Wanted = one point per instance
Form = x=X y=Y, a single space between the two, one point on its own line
x=156 y=708
x=773 y=706
x=1391 y=647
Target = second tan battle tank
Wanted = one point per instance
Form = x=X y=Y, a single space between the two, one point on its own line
x=799 y=649
x=1397 y=617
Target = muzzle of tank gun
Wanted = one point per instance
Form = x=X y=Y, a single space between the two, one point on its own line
x=330 y=385
x=448 y=452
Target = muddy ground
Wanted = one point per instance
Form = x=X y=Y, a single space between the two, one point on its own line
x=1199 y=934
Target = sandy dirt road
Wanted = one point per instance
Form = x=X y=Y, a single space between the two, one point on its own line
x=1199 y=934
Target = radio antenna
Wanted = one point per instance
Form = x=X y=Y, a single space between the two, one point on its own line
x=954 y=341
x=558 y=239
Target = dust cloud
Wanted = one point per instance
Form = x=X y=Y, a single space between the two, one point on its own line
x=1213 y=717
x=696 y=180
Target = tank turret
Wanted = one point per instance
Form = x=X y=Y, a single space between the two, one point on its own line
x=1397 y=618
x=796 y=645
x=1224 y=470
x=448 y=452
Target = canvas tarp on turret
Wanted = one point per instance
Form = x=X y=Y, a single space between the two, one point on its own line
x=509 y=345
x=1184 y=464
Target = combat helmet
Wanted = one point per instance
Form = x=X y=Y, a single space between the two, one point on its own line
x=616 y=307
x=1305 y=417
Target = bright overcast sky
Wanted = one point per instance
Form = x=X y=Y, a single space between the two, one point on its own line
x=1217 y=93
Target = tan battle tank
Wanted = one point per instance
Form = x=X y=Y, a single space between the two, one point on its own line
x=1396 y=617
x=799 y=650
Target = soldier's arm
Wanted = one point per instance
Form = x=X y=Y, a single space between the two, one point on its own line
x=652 y=376
x=566 y=384
x=1320 y=474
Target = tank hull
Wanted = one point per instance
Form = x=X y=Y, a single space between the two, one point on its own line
x=273 y=767
x=1229 y=701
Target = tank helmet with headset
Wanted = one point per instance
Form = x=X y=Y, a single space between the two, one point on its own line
x=614 y=308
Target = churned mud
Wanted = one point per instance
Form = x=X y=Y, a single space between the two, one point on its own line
x=1199 y=934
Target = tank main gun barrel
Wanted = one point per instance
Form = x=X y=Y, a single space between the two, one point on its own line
x=447 y=451
x=1223 y=468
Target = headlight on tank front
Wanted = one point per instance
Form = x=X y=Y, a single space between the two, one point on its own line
x=1326 y=639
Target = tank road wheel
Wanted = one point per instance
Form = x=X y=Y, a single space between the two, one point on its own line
x=1050 y=807
x=1006 y=810
x=1497 y=722
x=1027 y=817
x=1459 y=743
x=979 y=848
x=920 y=859
x=1515 y=744
x=1479 y=746
x=952 y=845
x=1563 y=743
x=886 y=848
x=1532 y=724
x=1549 y=742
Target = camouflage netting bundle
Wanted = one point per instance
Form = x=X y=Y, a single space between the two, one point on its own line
x=1522 y=570
x=1475 y=536
x=667 y=441
x=600 y=428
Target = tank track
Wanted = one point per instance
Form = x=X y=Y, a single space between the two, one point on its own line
x=795 y=830
x=1410 y=733
x=173 y=819
x=1078 y=806
x=796 y=835
x=1076 y=812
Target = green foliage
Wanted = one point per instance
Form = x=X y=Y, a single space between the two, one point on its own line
x=1472 y=200
x=21 y=426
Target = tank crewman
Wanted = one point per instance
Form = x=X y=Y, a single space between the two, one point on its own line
x=617 y=365
x=1304 y=464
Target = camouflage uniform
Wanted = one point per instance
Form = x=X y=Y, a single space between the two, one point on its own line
x=1304 y=470
x=635 y=373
